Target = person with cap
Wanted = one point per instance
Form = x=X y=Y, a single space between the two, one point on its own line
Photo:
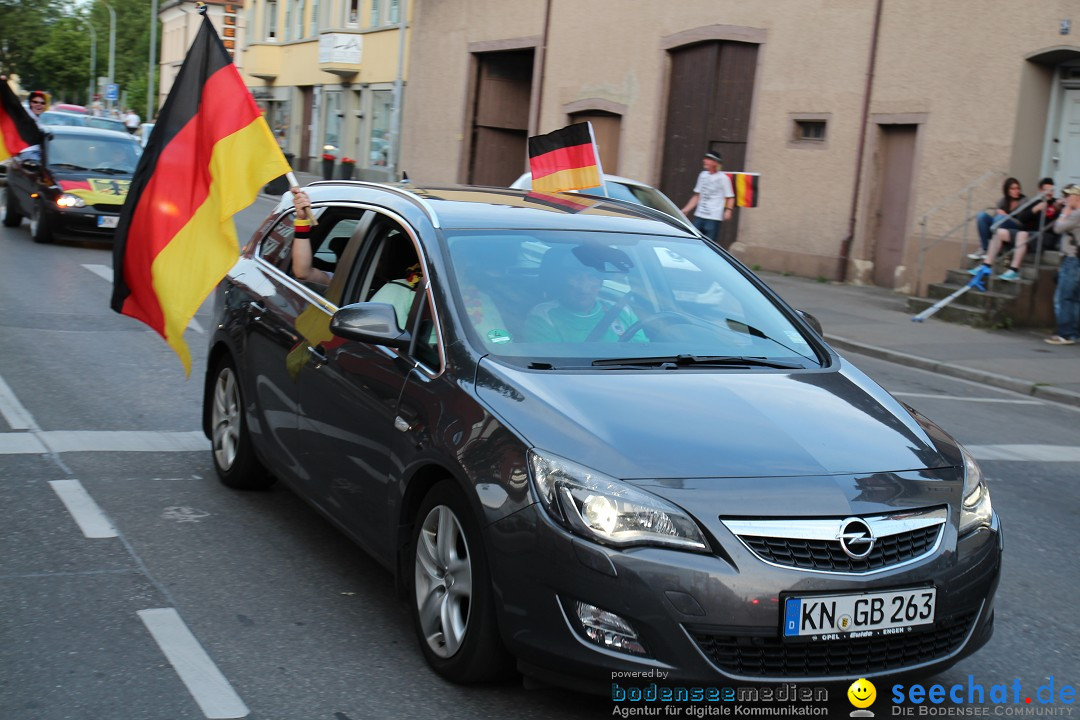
x=1067 y=292
x=713 y=200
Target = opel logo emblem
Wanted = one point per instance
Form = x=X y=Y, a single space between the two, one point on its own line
x=856 y=538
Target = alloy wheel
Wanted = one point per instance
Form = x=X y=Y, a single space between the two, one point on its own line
x=444 y=581
x=225 y=419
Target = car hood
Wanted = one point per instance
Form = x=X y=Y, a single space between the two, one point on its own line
x=715 y=424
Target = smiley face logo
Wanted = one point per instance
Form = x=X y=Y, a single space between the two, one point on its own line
x=862 y=693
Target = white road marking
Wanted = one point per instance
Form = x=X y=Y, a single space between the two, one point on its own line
x=83 y=509
x=204 y=681
x=1026 y=453
x=102 y=271
x=106 y=273
x=932 y=396
x=61 y=441
x=15 y=415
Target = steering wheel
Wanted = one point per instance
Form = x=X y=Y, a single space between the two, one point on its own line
x=670 y=316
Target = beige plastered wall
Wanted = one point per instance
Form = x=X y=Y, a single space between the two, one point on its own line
x=936 y=67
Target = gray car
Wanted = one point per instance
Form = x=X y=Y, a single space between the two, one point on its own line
x=587 y=441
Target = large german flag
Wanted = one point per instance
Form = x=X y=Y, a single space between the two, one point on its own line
x=564 y=160
x=210 y=152
x=18 y=130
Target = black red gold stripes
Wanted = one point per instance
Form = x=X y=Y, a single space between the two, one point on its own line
x=564 y=160
x=18 y=130
x=210 y=153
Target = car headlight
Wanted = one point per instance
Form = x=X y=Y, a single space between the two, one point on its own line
x=67 y=200
x=975 y=511
x=601 y=508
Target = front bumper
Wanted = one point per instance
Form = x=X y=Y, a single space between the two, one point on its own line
x=707 y=619
x=82 y=223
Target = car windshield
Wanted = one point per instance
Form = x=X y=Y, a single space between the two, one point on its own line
x=108 y=155
x=572 y=299
x=59 y=118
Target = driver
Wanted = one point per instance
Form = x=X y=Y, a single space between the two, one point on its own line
x=576 y=311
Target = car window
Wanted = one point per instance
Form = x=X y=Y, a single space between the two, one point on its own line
x=389 y=270
x=108 y=155
x=329 y=238
x=573 y=295
x=58 y=118
x=105 y=124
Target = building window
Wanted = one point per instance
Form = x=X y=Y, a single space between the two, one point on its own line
x=810 y=130
x=379 y=148
x=395 y=8
x=354 y=13
x=332 y=122
x=290 y=8
x=374 y=20
x=271 y=20
x=314 y=18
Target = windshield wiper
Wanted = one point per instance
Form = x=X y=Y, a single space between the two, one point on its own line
x=676 y=361
x=112 y=170
x=67 y=166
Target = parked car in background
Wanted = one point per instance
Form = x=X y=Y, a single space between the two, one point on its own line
x=79 y=188
x=68 y=107
x=622 y=188
x=585 y=438
x=54 y=117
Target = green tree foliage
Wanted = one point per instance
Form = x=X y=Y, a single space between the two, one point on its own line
x=47 y=43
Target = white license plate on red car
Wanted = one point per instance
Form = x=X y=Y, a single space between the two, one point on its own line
x=861 y=615
x=107 y=221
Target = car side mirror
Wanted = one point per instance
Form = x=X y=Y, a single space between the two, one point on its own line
x=370 y=322
x=812 y=321
x=31 y=166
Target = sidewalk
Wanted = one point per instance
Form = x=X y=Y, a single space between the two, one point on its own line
x=874 y=321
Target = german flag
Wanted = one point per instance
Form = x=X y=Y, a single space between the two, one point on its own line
x=745 y=186
x=210 y=152
x=559 y=202
x=18 y=130
x=564 y=160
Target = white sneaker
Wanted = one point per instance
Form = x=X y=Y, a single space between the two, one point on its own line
x=976 y=256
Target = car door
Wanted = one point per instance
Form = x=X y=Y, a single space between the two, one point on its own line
x=281 y=311
x=349 y=395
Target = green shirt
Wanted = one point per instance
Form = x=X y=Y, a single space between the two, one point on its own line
x=551 y=322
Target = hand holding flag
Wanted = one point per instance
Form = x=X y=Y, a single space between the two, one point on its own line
x=18 y=130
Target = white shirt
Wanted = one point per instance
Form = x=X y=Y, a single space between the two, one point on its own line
x=131 y=120
x=712 y=190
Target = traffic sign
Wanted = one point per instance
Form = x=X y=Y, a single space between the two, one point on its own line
x=112 y=92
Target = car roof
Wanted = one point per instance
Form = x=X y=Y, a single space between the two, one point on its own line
x=607 y=178
x=81 y=130
x=478 y=207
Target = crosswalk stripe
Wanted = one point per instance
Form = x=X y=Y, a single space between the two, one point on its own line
x=1026 y=453
x=61 y=441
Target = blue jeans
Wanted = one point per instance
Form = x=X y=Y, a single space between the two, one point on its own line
x=1067 y=299
x=709 y=228
x=984 y=220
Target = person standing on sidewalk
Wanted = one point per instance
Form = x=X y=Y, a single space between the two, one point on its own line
x=1067 y=293
x=713 y=200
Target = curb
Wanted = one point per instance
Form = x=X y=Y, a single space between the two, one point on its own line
x=1024 y=387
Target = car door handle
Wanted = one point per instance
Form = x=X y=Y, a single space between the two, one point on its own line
x=256 y=311
x=317 y=355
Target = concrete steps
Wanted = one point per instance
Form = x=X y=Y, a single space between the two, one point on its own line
x=1027 y=302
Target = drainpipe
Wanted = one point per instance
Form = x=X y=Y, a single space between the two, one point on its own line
x=845 y=246
x=543 y=67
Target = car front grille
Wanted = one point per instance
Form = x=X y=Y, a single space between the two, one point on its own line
x=770 y=657
x=817 y=544
x=828 y=555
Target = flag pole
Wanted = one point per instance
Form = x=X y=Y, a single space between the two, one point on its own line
x=294 y=183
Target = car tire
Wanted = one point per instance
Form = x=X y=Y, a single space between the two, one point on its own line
x=449 y=580
x=231 y=446
x=40 y=224
x=12 y=217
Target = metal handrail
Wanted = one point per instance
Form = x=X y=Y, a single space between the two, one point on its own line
x=966 y=192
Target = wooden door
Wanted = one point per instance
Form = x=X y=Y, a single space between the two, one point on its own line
x=895 y=168
x=710 y=92
x=607 y=128
x=500 y=131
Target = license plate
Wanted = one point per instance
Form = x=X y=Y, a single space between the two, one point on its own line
x=107 y=221
x=830 y=617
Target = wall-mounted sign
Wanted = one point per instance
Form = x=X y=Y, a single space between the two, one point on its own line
x=1066 y=26
x=340 y=48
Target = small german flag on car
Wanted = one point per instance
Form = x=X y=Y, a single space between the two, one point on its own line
x=564 y=160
